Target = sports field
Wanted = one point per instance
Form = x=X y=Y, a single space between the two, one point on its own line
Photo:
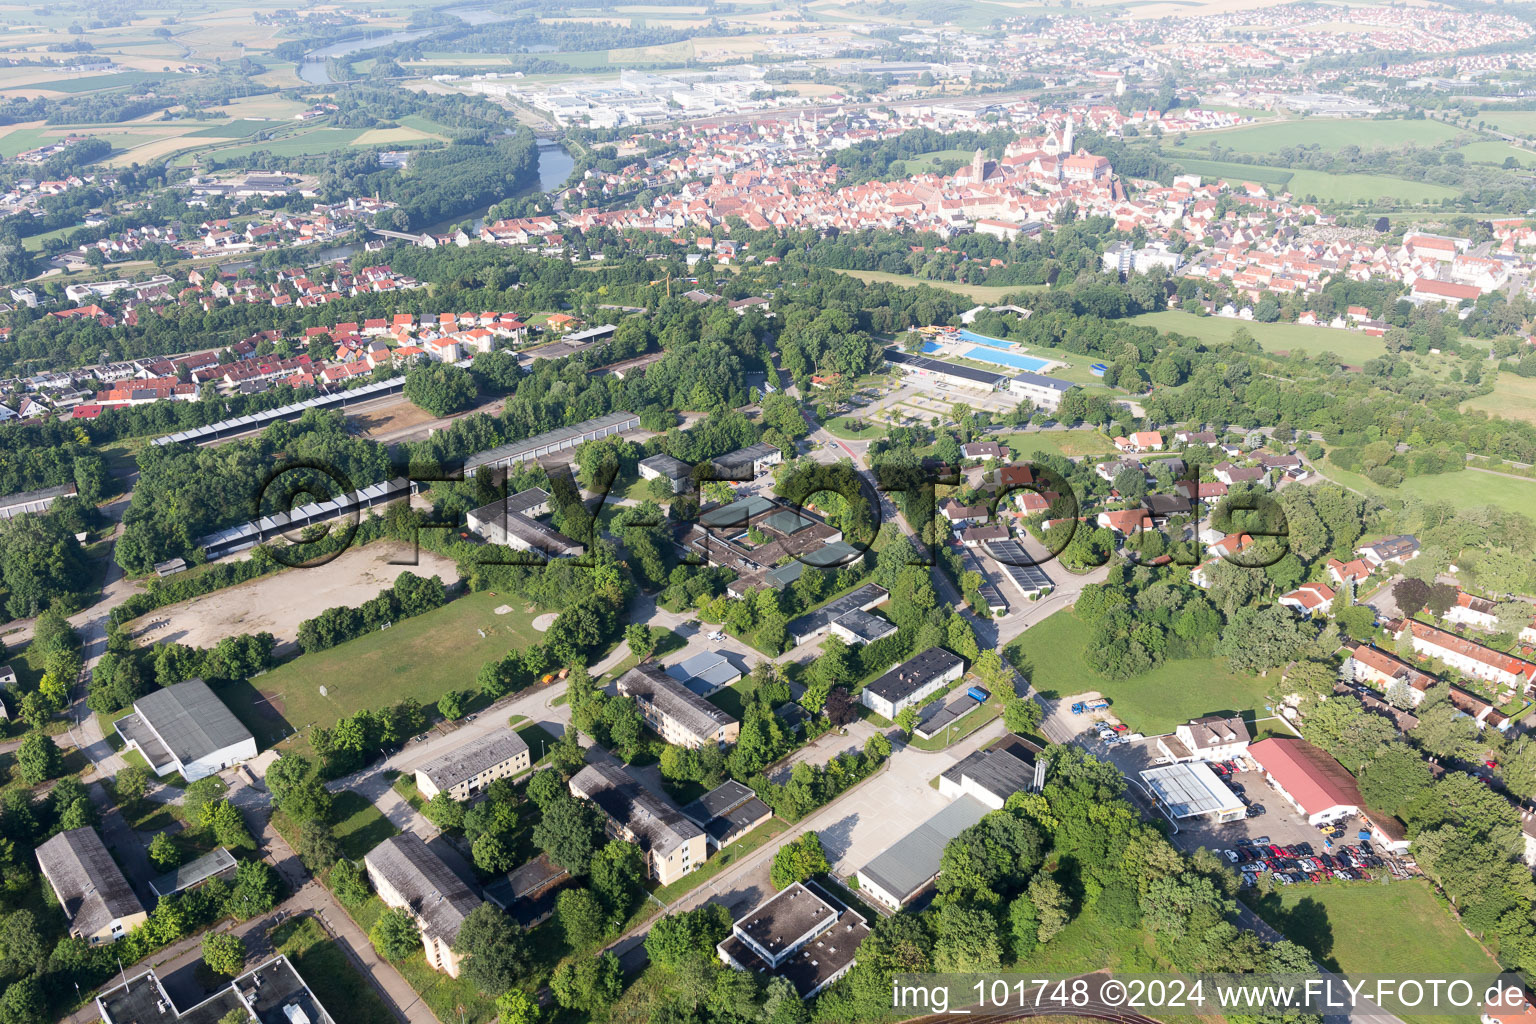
x=1154 y=703
x=421 y=657
x=1351 y=346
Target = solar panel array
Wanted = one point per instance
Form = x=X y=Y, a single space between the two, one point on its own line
x=1013 y=560
x=293 y=410
x=988 y=590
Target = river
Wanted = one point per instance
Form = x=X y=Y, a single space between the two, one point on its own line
x=312 y=68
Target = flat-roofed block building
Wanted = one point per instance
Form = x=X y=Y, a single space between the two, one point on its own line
x=913 y=680
x=748 y=463
x=470 y=767
x=407 y=875
x=96 y=899
x=270 y=994
x=673 y=845
x=186 y=728
x=674 y=712
x=664 y=467
x=799 y=935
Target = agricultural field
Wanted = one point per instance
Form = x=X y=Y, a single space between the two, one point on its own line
x=1515 y=122
x=1351 y=346
x=1331 y=133
x=1496 y=153
x=1153 y=703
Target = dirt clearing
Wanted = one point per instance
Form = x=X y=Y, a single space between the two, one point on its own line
x=277 y=604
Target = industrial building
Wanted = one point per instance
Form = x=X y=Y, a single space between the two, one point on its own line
x=97 y=900
x=911 y=863
x=186 y=728
x=799 y=934
x=911 y=681
x=270 y=994
x=1314 y=783
x=1191 y=790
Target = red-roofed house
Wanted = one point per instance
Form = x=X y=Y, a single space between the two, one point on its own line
x=1426 y=290
x=1314 y=783
x=1355 y=569
x=1126 y=521
x=1141 y=441
x=1308 y=599
x=1471 y=658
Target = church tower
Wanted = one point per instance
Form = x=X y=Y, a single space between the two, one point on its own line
x=1066 y=138
x=978 y=167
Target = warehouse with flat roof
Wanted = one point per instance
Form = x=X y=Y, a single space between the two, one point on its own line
x=911 y=863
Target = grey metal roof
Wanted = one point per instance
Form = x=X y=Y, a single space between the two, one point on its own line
x=910 y=863
x=649 y=683
x=1042 y=381
x=710 y=668
x=470 y=759
x=198 y=435
x=996 y=771
x=209 y=865
x=554 y=440
x=867 y=626
x=438 y=898
x=667 y=466
x=724 y=798
x=90 y=886
x=743 y=458
x=658 y=826
x=818 y=621
x=13 y=505
x=897 y=356
x=915 y=673
x=245 y=535
x=737 y=514
x=190 y=720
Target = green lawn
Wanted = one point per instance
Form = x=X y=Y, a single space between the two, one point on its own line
x=1230 y=171
x=1515 y=122
x=1468 y=489
x=1360 y=188
x=1496 y=153
x=731 y=854
x=1351 y=346
x=359 y=825
x=1154 y=703
x=345 y=993
x=1513 y=397
x=421 y=657
x=301 y=143
x=842 y=426
x=985 y=293
x=1396 y=929
x=1070 y=443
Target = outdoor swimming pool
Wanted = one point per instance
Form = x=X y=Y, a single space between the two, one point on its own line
x=1013 y=359
x=930 y=347
x=982 y=339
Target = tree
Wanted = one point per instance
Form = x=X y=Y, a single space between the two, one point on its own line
x=163 y=852
x=228 y=826
x=318 y=848
x=581 y=918
x=131 y=784
x=587 y=983
x=444 y=811
x=350 y=883
x=515 y=1006
x=1410 y=594
x=1051 y=904
x=1442 y=596
x=453 y=704
x=642 y=644
x=439 y=388
x=692 y=933
x=284 y=774
x=22 y=1002
x=967 y=940
x=224 y=953
x=38 y=758
x=568 y=831
x=906 y=719
x=495 y=949
x=200 y=799
x=618 y=875
x=841 y=708
x=1021 y=714
x=797 y=860
x=1024 y=922
x=395 y=935
x=254 y=891
x=22 y=948
x=1258 y=639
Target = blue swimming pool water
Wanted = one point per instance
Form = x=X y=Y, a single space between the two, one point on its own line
x=931 y=347
x=982 y=339
x=1013 y=359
